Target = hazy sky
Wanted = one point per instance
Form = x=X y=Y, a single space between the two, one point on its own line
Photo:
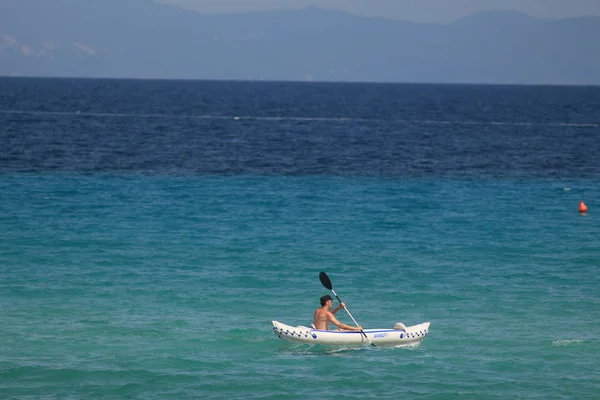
x=414 y=10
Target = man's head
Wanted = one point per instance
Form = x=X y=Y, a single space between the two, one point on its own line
x=325 y=299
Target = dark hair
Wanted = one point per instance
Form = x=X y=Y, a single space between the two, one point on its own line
x=325 y=298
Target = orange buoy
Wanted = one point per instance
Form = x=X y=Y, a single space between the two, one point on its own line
x=582 y=207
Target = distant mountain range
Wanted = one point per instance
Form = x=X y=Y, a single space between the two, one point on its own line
x=142 y=39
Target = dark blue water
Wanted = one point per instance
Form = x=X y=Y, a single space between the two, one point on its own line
x=191 y=127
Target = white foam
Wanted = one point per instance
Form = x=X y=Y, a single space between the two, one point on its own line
x=567 y=342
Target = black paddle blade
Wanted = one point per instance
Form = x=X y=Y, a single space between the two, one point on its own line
x=325 y=280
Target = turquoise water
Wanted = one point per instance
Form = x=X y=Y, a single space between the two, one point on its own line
x=125 y=285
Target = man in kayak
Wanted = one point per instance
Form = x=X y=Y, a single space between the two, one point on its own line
x=323 y=316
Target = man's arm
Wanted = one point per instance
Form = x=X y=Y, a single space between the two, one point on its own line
x=337 y=323
x=338 y=308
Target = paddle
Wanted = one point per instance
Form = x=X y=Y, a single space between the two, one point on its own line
x=327 y=283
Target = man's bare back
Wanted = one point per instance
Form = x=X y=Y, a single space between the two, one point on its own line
x=322 y=319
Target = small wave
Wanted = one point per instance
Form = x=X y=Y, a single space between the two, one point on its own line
x=567 y=342
x=295 y=349
x=413 y=345
x=341 y=119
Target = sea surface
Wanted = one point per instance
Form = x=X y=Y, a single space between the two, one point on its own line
x=150 y=231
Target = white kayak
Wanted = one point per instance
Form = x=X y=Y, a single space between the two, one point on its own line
x=379 y=337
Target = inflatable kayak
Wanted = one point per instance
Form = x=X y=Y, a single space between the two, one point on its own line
x=400 y=335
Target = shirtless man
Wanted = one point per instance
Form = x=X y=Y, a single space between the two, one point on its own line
x=323 y=316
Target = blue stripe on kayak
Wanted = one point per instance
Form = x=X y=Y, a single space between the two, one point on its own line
x=360 y=333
